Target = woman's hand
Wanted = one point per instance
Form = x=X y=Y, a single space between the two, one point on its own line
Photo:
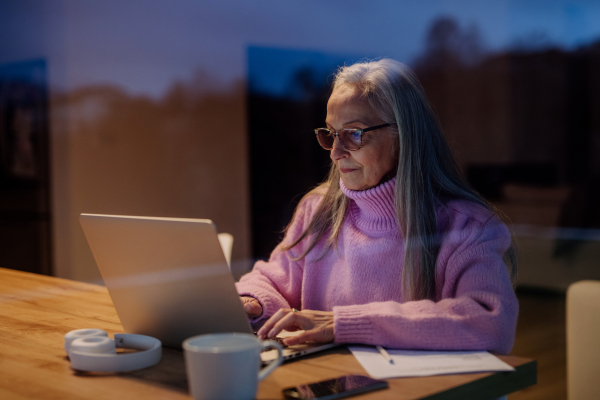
x=251 y=306
x=318 y=326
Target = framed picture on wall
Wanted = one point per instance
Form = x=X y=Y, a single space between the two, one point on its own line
x=23 y=120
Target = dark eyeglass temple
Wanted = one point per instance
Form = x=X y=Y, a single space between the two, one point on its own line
x=376 y=127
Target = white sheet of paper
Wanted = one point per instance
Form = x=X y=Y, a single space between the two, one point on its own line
x=425 y=363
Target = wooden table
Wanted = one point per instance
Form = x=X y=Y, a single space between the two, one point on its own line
x=36 y=311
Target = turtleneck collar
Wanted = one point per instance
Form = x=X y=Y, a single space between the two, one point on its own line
x=373 y=209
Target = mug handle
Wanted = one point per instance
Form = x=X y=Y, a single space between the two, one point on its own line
x=273 y=364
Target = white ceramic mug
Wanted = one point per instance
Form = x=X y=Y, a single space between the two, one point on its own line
x=226 y=365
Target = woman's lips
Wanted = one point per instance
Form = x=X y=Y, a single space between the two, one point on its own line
x=346 y=170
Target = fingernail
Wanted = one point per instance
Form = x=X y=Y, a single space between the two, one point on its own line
x=272 y=333
x=261 y=332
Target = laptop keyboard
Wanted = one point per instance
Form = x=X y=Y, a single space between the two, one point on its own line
x=280 y=341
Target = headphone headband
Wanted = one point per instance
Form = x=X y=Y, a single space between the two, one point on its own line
x=92 y=350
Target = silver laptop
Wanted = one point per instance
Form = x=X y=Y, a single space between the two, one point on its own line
x=168 y=278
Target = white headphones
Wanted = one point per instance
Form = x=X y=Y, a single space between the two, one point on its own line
x=93 y=350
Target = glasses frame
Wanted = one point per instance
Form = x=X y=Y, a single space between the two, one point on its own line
x=337 y=134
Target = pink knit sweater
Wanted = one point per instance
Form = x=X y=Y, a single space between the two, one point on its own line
x=475 y=307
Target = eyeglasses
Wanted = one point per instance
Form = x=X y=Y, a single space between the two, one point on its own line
x=351 y=139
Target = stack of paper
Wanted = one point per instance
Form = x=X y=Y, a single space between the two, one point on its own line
x=423 y=363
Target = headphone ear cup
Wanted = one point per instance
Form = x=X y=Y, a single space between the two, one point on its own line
x=94 y=345
x=81 y=333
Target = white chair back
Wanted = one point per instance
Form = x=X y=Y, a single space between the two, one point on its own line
x=583 y=340
x=226 y=240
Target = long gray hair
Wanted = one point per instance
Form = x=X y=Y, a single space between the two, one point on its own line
x=426 y=173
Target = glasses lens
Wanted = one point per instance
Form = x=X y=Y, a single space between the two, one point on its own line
x=325 y=138
x=350 y=138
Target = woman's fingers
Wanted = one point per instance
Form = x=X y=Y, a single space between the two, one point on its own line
x=251 y=306
x=321 y=334
x=253 y=309
x=292 y=321
x=268 y=326
x=318 y=326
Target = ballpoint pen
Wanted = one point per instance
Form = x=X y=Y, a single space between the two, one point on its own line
x=384 y=354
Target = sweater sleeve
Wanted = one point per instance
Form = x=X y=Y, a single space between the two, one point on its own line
x=475 y=308
x=277 y=283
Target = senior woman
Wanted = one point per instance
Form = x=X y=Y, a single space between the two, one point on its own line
x=394 y=248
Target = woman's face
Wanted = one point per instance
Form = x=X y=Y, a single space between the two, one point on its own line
x=364 y=168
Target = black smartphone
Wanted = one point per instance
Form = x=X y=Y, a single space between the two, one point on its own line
x=334 y=388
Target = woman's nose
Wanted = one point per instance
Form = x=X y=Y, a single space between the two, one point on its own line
x=338 y=151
